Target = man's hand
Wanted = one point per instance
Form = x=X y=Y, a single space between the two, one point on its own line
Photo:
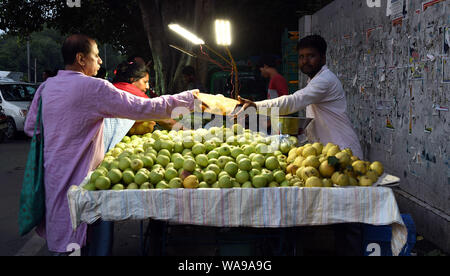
x=245 y=104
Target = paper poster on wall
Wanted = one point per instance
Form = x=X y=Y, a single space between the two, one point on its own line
x=446 y=48
x=397 y=9
x=427 y=4
x=417 y=71
x=446 y=70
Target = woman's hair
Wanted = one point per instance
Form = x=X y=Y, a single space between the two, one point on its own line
x=75 y=44
x=130 y=72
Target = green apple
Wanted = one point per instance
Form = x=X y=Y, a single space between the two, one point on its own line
x=163 y=160
x=213 y=154
x=189 y=165
x=96 y=174
x=262 y=149
x=188 y=142
x=168 y=145
x=178 y=147
x=118 y=187
x=274 y=184
x=126 y=139
x=242 y=176
x=176 y=183
x=248 y=149
x=240 y=157
x=222 y=161
x=215 y=168
x=137 y=164
x=170 y=174
x=210 y=146
x=165 y=152
x=285 y=183
x=259 y=181
x=198 y=149
x=146 y=186
x=210 y=177
x=272 y=163
x=178 y=163
x=175 y=156
x=203 y=185
x=156 y=175
x=231 y=168
x=202 y=160
x=236 y=152
x=128 y=177
x=245 y=164
x=224 y=151
x=162 y=185
x=199 y=174
x=90 y=186
x=102 y=183
x=114 y=175
x=247 y=185
x=236 y=185
x=279 y=176
x=237 y=129
x=225 y=182
x=213 y=161
x=215 y=185
x=254 y=172
x=260 y=159
x=268 y=174
x=133 y=186
x=124 y=163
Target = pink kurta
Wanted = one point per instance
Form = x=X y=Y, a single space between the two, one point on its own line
x=74 y=106
x=324 y=100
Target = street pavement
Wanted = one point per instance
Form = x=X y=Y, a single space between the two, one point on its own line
x=13 y=157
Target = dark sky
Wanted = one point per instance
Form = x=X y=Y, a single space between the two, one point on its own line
x=258 y=25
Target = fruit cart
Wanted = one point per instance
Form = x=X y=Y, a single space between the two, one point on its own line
x=236 y=178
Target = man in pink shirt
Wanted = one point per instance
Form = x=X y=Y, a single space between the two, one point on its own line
x=278 y=85
x=74 y=105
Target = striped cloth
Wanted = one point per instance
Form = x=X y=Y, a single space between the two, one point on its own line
x=258 y=208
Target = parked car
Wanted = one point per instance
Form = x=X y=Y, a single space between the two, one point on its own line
x=15 y=99
x=3 y=124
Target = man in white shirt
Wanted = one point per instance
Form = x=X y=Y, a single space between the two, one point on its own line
x=323 y=98
x=325 y=102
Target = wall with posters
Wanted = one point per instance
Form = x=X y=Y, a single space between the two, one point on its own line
x=394 y=63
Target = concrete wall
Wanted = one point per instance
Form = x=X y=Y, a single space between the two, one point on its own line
x=397 y=78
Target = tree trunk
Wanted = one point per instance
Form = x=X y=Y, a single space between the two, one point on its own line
x=168 y=63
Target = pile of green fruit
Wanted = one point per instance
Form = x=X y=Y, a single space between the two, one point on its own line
x=214 y=158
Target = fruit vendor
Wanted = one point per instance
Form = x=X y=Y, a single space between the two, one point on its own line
x=323 y=98
x=74 y=105
x=325 y=101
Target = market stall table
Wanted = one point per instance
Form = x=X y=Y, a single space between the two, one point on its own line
x=256 y=208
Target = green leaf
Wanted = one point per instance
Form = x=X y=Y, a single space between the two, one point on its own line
x=333 y=161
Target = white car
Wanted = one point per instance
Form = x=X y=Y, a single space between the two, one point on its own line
x=15 y=99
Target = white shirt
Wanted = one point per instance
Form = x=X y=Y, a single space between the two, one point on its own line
x=325 y=102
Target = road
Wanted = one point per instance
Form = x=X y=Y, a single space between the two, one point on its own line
x=13 y=156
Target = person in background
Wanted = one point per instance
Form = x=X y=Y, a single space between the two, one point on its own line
x=74 y=106
x=325 y=101
x=278 y=85
x=190 y=79
x=133 y=77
